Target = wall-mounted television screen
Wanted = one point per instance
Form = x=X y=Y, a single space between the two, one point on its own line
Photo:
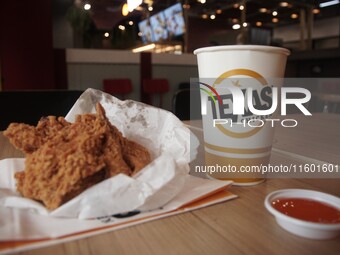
x=163 y=25
x=145 y=29
x=175 y=20
x=158 y=25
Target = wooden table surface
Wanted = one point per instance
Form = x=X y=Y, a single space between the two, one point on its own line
x=239 y=226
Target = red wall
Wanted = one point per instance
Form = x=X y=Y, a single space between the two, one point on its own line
x=26 y=46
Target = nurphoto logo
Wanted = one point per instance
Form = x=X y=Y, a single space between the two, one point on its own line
x=251 y=101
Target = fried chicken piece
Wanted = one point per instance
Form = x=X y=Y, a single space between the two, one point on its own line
x=60 y=170
x=20 y=177
x=24 y=137
x=69 y=158
x=49 y=126
x=28 y=138
x=134 y=154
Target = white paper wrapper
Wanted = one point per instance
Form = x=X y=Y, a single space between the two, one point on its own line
x=165 y=136
x=18 y=224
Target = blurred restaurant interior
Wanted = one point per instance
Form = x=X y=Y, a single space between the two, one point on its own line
x=67 y=46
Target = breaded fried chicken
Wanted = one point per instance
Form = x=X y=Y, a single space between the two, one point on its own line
x=28 y=138
x=63 y=159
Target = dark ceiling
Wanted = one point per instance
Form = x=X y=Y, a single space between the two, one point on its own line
x=107 y=14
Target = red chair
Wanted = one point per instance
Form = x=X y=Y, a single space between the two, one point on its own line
x=120 y=87
x=156 y=87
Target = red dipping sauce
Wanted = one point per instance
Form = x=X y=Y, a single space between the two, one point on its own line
x=308 y=210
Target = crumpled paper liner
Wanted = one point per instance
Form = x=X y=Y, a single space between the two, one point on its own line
x=162 y=133
x=18 y=225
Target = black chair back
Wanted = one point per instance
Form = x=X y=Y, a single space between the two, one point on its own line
x=186 y=104
x=29 y=106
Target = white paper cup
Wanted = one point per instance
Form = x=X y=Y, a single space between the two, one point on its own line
x=237 y=146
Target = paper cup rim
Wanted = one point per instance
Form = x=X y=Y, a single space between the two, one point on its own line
x=243 y=47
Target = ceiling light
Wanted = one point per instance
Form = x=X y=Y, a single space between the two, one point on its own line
x=241 y=7
x=316 y=11
x=121 y=27
x=212 y=16
x=133 y=4
x=144 y=48
x=244 y=24
x=204 y=16
x=130 y=22
x=294 y=16
x=87 y=7
x=284 y=4
x=275 y=20
x=263 y=10
x=258 y=24
x=329 y=3
x=236 y=5
x=274 y=13
x=218 y=11
x=150 y=8
x=125 y=10
x=106 y=34
x=236 y=26
x=202 y=1
x=234 y=20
